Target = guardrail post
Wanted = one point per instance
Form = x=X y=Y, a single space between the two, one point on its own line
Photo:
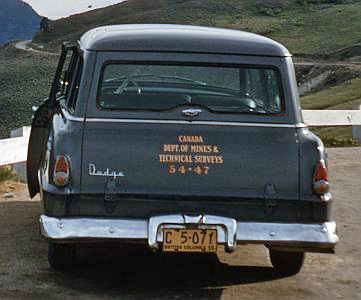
x=356 y=131
x=20 y=168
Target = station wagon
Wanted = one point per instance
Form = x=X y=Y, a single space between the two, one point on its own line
x=184 y=138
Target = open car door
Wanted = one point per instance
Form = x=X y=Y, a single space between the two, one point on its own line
x=42 y=119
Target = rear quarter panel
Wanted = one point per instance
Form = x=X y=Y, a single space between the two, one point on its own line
x=65 y=139
x=311 y=151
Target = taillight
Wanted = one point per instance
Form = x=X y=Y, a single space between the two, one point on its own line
x=61 y=171
x=320 y=179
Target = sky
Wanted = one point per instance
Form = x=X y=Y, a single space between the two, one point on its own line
x=56 y=9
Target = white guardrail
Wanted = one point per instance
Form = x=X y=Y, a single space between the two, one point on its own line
x=14 y=150
x=332 y=117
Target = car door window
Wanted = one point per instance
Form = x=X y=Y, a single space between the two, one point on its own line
x=67 y=77
x=72 y=95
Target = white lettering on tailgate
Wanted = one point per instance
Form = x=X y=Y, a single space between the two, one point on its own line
x=107 y=173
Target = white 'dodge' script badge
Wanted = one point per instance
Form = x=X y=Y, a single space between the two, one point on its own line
x=107 y=173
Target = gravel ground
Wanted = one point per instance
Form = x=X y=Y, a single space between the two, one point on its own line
x=130 y=273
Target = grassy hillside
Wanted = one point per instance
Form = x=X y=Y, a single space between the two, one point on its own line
x=315 y=29
x=25 y=80
x=346 y=95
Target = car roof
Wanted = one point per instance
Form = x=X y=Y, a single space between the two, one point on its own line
x=179 y=38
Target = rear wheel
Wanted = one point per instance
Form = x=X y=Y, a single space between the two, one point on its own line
x=285 y=262
x=61 y=256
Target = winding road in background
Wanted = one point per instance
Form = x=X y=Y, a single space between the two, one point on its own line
x=24 y=45
x=326 y=63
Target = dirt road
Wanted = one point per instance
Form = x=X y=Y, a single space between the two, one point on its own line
x=124 y=273
x=24 y=45
x=326 y=63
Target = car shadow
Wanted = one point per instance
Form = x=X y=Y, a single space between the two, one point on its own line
x=117 y=268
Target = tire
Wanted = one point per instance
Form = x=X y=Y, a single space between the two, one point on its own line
x=286 y=263
x=61 y=256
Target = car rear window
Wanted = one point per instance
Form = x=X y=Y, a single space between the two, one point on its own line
x=218 y=88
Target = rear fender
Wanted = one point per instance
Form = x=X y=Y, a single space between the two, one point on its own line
x=312 y=151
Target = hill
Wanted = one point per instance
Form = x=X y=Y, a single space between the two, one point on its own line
x=25 y=80
x=307 y=26
x=17 y=21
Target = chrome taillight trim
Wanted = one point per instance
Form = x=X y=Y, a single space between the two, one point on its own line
x=55 y=174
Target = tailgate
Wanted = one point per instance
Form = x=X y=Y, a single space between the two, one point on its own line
x=179 y=159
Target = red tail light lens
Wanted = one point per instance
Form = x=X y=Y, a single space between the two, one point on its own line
x=320 y=179
x=61 y=171
x=321 y=172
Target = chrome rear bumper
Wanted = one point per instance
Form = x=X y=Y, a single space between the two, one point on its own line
x=307 y=237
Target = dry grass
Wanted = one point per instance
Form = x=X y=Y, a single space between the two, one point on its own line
x=6 y=174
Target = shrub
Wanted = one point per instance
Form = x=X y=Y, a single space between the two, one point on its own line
x=340 y=142
x=7 y=174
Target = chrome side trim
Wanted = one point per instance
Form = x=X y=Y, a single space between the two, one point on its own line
x=301 y=125
x=147 y=121
x=183 y=122
x=317 y=237
x=72 y=118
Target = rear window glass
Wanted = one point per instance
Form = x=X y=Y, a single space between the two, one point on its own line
x=218 y=88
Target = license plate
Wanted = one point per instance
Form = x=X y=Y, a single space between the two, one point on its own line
x=189 y=240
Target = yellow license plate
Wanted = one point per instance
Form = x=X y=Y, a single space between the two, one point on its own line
x=189 y=240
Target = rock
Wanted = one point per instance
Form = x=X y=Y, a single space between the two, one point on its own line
x=9 y=195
